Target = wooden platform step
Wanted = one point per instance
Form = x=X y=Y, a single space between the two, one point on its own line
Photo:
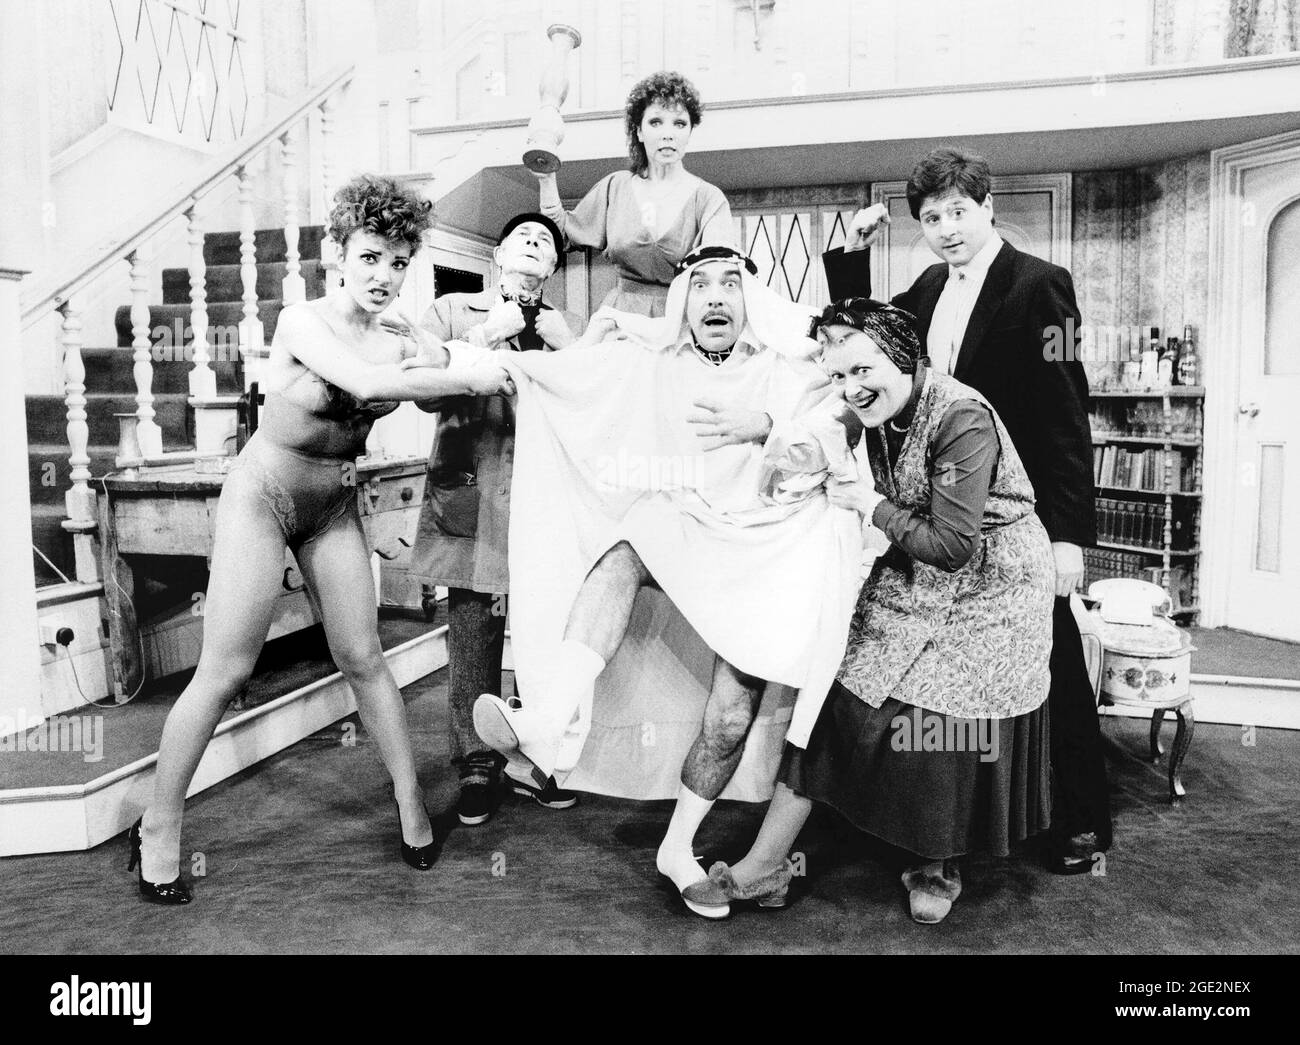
x=83 y=802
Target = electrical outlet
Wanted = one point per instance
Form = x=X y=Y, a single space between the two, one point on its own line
x=55 y=634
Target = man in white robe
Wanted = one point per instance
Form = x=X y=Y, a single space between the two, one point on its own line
x=660 y=494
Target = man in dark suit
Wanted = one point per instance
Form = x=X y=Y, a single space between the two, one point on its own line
x=1006 y=323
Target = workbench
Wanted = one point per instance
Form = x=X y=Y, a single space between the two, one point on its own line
x=170 y=510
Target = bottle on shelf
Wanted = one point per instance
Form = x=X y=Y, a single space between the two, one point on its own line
x=1131 y=375
x=1165 y=366
x=1188 y=369
x=1150 y=361
x=1172 y=349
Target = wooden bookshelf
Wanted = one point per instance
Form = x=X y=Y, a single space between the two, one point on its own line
x=1145 y=550
x=1102 y=438
x=1173 y=392
x=1157 y=505
x=1149 y=493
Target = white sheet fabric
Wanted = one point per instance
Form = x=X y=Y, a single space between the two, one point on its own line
x=752 y=561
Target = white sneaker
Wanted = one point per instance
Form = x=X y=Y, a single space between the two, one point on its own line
x=517 y=733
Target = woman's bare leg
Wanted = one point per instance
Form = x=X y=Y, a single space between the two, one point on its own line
x=785 y=818
x=244 y=583
x=337 y=566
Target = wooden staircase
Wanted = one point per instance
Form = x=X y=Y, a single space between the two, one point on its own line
x=110 y=384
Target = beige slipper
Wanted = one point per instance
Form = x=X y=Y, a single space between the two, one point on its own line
x=931 y=896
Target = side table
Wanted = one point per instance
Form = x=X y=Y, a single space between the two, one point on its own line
x=1160 y=683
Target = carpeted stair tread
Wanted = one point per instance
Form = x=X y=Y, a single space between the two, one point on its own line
x=167 y=323
x=113 y=369
x=47 y=418
x=222 y=248
x=226 y=282
x=50 y=537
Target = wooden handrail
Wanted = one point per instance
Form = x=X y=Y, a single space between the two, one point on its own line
x=99 y=261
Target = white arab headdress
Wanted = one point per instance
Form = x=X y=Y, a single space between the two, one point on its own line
x=771 y=321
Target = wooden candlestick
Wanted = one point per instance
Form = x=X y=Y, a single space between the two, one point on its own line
x=546 y=128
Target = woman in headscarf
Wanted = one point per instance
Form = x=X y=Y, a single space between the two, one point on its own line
x=647 y=218
x=934 y=736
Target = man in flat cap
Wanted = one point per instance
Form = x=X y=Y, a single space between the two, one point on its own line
x=464 y=520
x=678 y=569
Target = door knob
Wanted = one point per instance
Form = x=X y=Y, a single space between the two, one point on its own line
x=1250 y=409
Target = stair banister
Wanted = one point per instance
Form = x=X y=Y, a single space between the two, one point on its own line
x=99 y=261
x=66 y=296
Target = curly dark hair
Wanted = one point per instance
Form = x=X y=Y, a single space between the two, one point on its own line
x=948 y=170
x=384 y=206
x=670 y=90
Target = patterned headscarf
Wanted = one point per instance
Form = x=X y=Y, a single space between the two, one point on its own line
x=891 y=328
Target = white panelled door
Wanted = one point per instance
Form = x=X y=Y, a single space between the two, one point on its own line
x=1264 y=583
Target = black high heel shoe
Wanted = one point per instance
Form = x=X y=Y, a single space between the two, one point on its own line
x=420 y=857
x=170 y=893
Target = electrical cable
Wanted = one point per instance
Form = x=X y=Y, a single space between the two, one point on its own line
x=50 y=564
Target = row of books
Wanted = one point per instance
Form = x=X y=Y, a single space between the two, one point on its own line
x=1142 y=523
x=1100 y=564
x=1141 y=469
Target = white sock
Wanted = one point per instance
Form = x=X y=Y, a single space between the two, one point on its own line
x=571 y=682
x=676 y=856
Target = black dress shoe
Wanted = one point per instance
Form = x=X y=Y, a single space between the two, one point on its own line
x=476 y=804
x=170 y=893
x=1075 y=856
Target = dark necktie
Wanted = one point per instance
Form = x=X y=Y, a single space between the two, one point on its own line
x=528 y=339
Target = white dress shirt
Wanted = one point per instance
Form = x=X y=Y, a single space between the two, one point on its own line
x=956 y=302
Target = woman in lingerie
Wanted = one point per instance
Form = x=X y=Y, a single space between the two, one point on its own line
x=335 y=367
x=649 y=217
x=934 y=736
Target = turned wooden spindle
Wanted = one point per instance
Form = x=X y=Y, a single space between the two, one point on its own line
x=202 y=378
x=150 y=435
x=293 y=286
x=252 y=349
x=546 y=128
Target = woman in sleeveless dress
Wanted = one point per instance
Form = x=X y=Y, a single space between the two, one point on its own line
x=934 y=736
x=335 y=367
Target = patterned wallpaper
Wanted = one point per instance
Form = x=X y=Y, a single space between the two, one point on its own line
x=1140 y=245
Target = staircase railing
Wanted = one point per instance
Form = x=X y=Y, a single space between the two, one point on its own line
x=134 y=249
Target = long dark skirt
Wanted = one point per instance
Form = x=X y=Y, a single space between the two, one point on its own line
x=934 y=803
